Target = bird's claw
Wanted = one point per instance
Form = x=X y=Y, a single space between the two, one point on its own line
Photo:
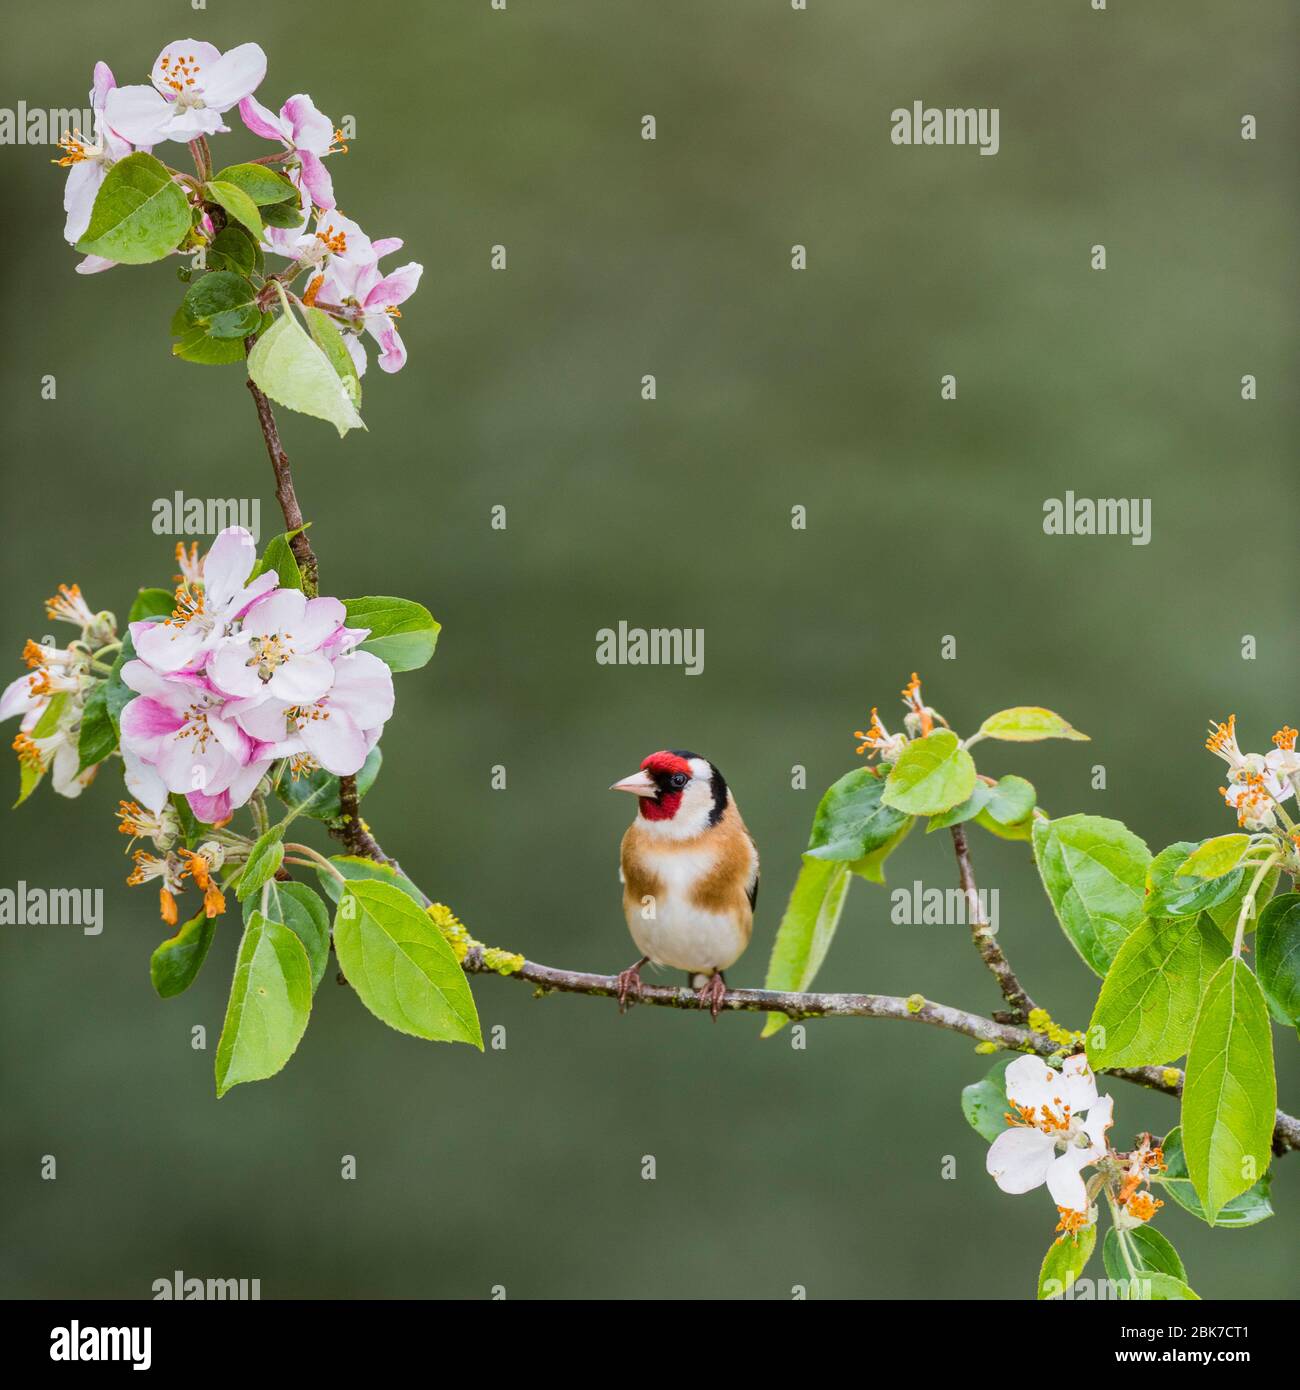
x=629 y=983
x=711 y=993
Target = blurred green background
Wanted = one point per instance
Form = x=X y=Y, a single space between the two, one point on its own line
x=522 y=1168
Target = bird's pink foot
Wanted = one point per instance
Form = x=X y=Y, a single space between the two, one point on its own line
x=712 y=992
x=629 y=984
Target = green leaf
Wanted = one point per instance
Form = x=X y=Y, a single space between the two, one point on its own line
x=1012 y=801
x=270 y=1003
x=233 y=249
x=1094 y=871
x=224 y=304
x=194 y=345
x=259 y=183
x=1225 y=913
x=139 y=215
x=175 y=963
x=263 y=863
x=295 y=373
x=806 y=930
x=192 y=829
x=287 y=214
x=279 y=556
x=1028 y=724
x=1149 y=1251
x=1229 y=1091
x=297 y=907
x=401 y=966
x=872 y=864
x=97 y=738
x=403 y=634
x=151 y=603
x=932 y=774
x=29 y=776
x=1277 y=957
x=1064 y=1262
x=1171 y=894
x=237 y=203
x=984 y=1103
x=316 y=794
x=1017 y=830
x=967 y=810
x=850 y=820
x=1211 y=858
x=1252 y=1207
x=326 y=335
x=1149 y=999
x=1165 y=1288
x=355 y=868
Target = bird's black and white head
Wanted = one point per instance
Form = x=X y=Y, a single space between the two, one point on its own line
x=681 y=794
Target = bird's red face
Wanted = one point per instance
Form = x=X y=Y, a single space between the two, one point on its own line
x=673 y=783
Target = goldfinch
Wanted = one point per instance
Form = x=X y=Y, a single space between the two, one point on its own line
x=689 y=871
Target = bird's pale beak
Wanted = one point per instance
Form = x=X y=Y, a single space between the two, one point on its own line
x=639 y=784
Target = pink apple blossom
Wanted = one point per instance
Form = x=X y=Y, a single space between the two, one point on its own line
x=305 y=133
x=337 y=730
x=204 y=615
x=275 y=652
x=357 y=283
x=177 y=736
x=88 y=161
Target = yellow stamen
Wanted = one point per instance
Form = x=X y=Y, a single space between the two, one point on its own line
x=1143 y=1206
x=29 y=755
x=1071 y=1222
x=75 y=148
x=336 y=242
x=1222 y=734
x=1285 y=738
x=912 y=698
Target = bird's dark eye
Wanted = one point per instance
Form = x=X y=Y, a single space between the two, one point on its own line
x=679 y=780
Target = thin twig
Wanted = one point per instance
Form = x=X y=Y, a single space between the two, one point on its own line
x=982 y=935
x=352 y=830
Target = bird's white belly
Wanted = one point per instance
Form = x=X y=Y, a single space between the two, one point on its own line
x=686 y=937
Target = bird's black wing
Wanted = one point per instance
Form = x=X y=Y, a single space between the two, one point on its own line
x=752 y=890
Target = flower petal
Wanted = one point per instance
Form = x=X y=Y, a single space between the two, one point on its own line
x=321 y=619
x=335 y=742
x=363 y=686
x=1018 y=1159
x=138 y=114
x=143 y=782
x=193 y=53
x=263 y=121
x=79 y=193
x=235 y=75
x=301 y=680
x=101 y=84
x=226 y=566
x=311 y=129
x=396 y=287
x=1063 y=1180
x=316 y=180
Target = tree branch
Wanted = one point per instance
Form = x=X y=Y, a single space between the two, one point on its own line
x=548 y=980
x=985 y=942
x=353 y=832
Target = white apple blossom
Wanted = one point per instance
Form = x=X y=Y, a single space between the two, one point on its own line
x=1059 y=1127
x=193 y=84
